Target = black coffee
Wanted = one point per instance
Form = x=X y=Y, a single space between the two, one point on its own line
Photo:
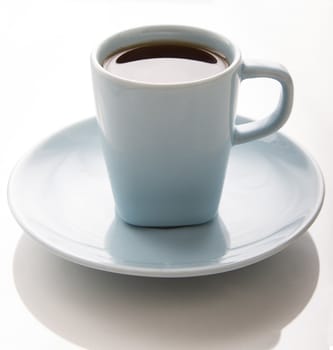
x=165 y=63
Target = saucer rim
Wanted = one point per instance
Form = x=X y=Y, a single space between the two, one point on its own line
x=176 y=272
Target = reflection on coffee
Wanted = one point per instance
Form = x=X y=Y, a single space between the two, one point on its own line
x=165 y=63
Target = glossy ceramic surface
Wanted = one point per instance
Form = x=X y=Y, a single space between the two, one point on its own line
x=60 y=195
x=167 y=146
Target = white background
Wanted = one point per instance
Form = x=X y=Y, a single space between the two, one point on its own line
x=284 y=302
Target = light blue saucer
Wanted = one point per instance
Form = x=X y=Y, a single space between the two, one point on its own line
x=60 y=195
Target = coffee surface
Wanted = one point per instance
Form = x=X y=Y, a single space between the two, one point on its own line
x=165 y=63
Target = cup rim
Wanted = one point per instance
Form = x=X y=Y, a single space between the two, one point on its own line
x=165 y=28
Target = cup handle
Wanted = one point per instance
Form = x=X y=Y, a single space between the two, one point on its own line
x=263 y=127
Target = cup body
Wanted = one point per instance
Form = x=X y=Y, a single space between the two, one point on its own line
x=166 y=146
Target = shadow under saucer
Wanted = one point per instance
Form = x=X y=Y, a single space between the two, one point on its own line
x=242 y=309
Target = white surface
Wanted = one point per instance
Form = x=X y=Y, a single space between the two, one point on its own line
x=60 y=194
x=45 y=85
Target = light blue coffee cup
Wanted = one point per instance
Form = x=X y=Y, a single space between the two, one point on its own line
x=166 y=146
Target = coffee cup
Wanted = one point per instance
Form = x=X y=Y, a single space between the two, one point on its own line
x=166 y=100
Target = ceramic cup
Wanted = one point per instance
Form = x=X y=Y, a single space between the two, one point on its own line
x=166 y=146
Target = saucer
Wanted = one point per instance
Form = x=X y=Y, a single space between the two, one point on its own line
x=60 y=194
